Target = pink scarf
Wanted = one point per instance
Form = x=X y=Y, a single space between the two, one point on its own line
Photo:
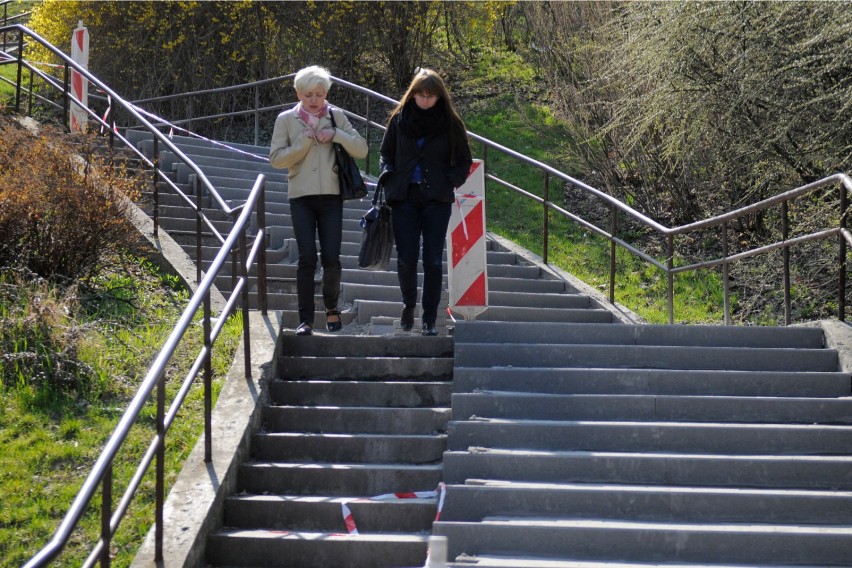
x=312 y=120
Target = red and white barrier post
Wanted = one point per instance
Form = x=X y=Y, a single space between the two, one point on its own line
x=79 y=84
x=467 y=268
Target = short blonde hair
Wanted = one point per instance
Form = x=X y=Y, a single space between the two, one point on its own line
x=310 y=77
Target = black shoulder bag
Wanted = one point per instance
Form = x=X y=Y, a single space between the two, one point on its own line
x=377 y=235
x=348 y=175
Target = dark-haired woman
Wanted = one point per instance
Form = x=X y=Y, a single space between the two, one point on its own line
x=425 y=156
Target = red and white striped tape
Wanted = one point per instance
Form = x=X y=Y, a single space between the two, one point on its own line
x=439 y=492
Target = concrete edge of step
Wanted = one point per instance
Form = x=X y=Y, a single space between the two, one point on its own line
x=194 y=505
x=620 y=314
x=838 y=336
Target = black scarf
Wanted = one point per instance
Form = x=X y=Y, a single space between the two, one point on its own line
x=418 y=123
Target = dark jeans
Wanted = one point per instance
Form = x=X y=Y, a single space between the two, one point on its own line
x=411 y=221
x=317 y=215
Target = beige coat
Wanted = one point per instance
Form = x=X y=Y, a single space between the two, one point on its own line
x=311 y=164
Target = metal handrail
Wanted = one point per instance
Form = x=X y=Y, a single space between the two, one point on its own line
x=102 y=470
x=616 y=206
x=236 y=246
x=102 y=474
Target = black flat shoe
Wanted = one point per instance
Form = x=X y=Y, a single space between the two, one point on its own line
x=429 y=329
x=333 y=325
x=304 y=329
x=406 y=319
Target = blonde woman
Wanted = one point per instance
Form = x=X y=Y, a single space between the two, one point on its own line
x=302 y=142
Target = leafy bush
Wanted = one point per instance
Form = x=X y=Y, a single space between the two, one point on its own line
x=58 y=219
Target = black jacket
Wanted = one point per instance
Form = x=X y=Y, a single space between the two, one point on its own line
x=399 y=155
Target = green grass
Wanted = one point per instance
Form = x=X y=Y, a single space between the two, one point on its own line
x=7 y=91
x=51 y=437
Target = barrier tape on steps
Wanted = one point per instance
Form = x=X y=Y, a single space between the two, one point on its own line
x=439 y=492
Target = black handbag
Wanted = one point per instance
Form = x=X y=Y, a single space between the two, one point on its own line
x=377 y=235
x=348 y=175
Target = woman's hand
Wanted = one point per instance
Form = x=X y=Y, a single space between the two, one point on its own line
x=325 y=135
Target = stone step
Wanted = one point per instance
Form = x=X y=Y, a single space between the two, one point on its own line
x=767 y=471
x=508 y=561
x=502 y=313
x=259 y=548
x=651 y=542
x=479 y=499
x=552 y=301
x=337 y=479
x=411 y=394
x=350 y=447
x=365 y=348
x=169 y=160
x=638 y=335
x=361 y=420
x=191 y=144
x=183 y=171
x=629 y=407
x=312 y=514
x=652 y=437
x=367 y=369
x=647 y=357
x=629 y=381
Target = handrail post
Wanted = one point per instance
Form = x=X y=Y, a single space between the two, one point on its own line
x=726 y=278
x=545 y=232
x=106 y=514
x=156 y=188
x=367 y=135
x=196 y=187
x=160 y=470
x=485 y=172
x=670 y=275
x=66 y=94
x=29 y=95
x=261 y=259
x=613 y=231
x=111 y=126
x=245 y=301
x=191 y=113
x=20 y=72
x=208 y=383
x=841 y=286
x=256 y=115
x=785 y=255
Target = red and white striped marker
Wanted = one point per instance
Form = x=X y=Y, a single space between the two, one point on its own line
x=79 y=84
x=467 y=268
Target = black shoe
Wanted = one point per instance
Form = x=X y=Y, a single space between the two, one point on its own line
x=333 y=325
x=406 y=319
x=429 y=329
x=304 y=329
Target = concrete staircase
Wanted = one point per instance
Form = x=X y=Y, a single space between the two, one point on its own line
x=519 y=289
x=567 y=441
x=349 y=419
x=602 y=445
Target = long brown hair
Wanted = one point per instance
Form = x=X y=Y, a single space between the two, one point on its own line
x=428 y=82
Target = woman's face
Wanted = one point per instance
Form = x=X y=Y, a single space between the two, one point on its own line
x=425 y=100
x=312 y=99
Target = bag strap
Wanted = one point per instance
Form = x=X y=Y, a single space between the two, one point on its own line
x=337 y=146
x=379 y=189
